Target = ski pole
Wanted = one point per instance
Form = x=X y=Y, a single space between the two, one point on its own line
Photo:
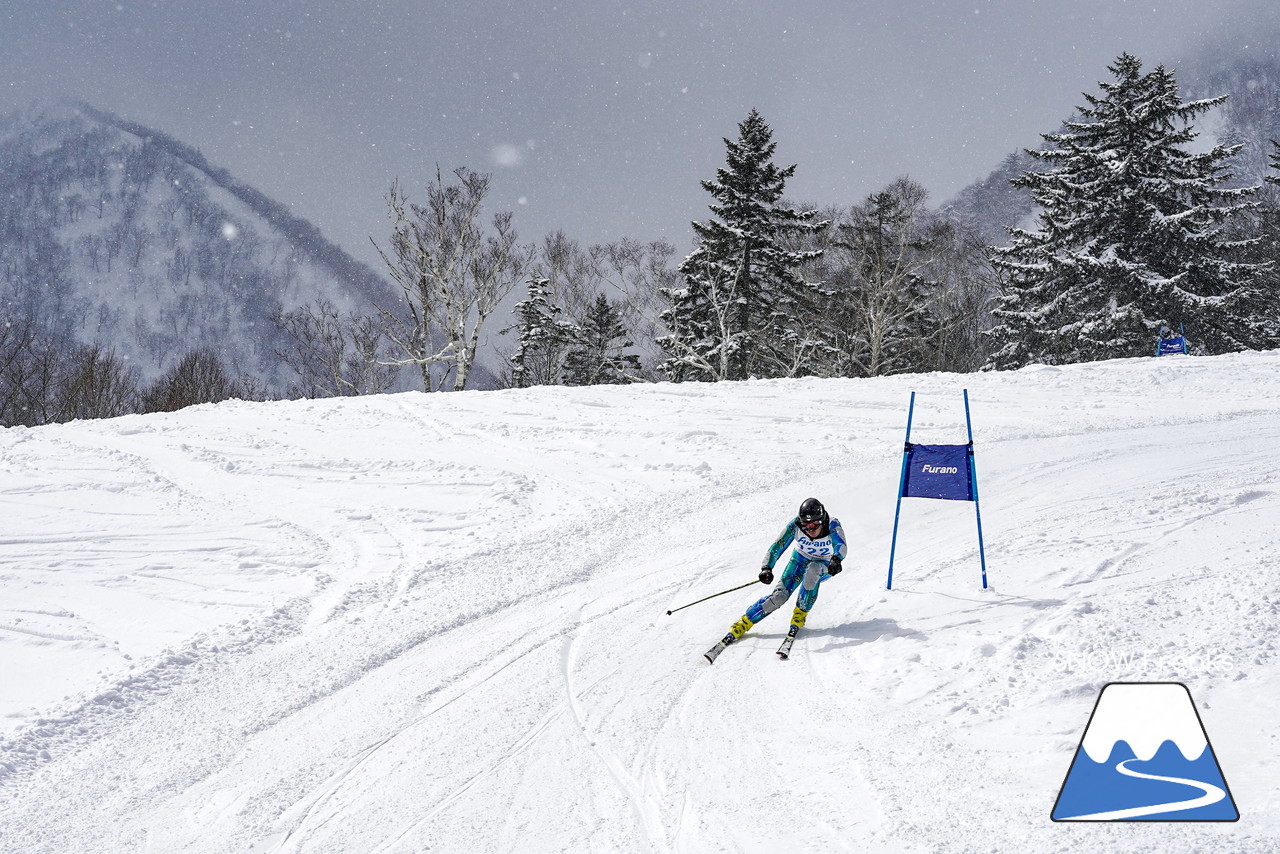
x=713 y=595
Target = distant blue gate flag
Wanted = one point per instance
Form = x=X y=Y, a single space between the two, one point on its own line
x=938 y=471
x=1176 y=344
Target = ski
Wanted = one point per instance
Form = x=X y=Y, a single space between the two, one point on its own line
x=710 y=655
x=784 y=651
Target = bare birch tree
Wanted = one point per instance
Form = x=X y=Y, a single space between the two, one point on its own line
x=889 y=244
x=639 y=272
x=454 y=272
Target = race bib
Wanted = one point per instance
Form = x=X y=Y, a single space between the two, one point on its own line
x=820 y=549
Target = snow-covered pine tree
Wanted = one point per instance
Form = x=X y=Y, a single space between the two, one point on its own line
x=735 y=315
x=1267 y=249
x=1130 y=237
x=598 y=355
x=539 y=356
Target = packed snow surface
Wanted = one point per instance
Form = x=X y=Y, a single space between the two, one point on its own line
x=438 y=622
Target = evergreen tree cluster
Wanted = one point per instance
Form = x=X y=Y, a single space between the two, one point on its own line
x=739 y=312
x=554 y=351
x=1136 y=233
x=885 y=286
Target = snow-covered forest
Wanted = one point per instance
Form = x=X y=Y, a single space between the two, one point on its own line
x=139 y=278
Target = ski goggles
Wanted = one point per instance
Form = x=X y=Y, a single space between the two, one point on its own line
x=808 y=524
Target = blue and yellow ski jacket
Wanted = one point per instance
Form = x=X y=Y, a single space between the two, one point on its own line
x=829 y=543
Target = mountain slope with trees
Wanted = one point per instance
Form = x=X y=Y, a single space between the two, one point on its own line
x=116 y=236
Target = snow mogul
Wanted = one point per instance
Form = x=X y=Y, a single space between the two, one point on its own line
x=819 y=549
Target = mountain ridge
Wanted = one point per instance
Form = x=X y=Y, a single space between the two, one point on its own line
x=302 y=231
x=116 y=234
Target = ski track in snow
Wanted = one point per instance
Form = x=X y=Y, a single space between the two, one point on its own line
x=315 y=811
x=393 y=623
x=646 y=808
x=396 y=839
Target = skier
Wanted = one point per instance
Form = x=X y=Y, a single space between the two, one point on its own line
x=820 y=548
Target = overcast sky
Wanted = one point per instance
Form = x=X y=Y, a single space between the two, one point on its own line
x=595 y=116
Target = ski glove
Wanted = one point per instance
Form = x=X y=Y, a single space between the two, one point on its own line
x=766 y=575
x=835 y=567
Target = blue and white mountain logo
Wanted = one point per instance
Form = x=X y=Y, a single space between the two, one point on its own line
x=1145 y=757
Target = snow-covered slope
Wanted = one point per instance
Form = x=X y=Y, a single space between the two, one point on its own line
x=438 y=622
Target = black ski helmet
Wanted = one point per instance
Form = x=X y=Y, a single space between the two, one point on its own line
x=811 y=510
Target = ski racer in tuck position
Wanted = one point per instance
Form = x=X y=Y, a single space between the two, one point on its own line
x=820 y=548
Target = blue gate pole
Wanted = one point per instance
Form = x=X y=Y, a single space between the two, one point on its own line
x=973 y=471
x=906 y=455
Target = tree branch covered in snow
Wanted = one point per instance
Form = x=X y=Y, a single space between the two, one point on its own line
x=452 y=270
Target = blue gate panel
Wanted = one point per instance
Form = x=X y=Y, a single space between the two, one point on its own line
x=939 y=471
